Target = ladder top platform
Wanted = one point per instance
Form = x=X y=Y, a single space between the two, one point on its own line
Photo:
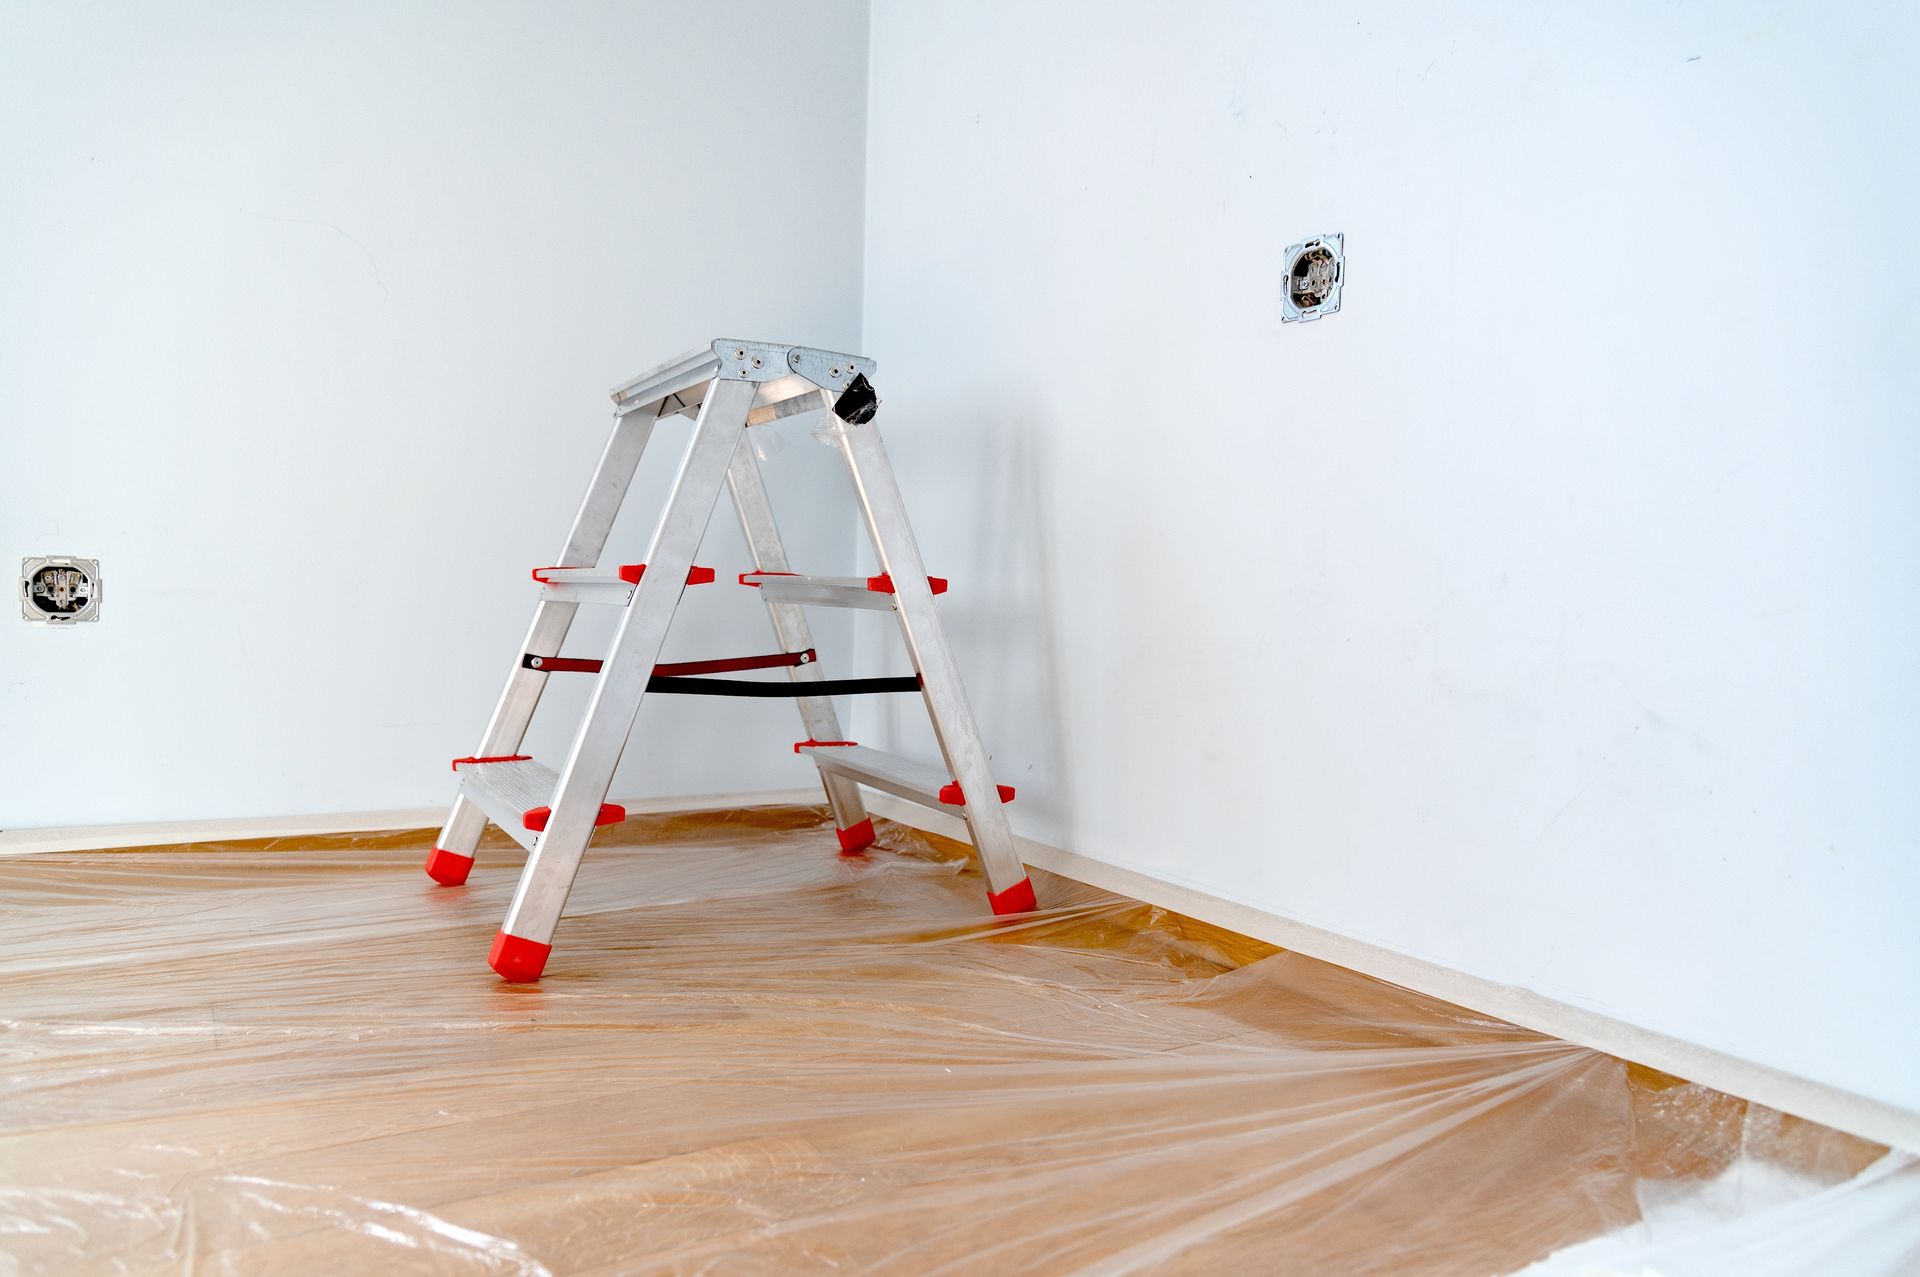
x=783 y=373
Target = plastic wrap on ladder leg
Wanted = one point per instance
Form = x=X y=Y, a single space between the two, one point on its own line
x=1015 y=899
x=448 y=868
x=856 y=838
x=517 y=958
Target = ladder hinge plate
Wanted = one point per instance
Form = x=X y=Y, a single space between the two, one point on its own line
x=760 y=361
x=824 y=368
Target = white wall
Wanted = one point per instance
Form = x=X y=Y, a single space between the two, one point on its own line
x=1550 y=613
x=307 y=318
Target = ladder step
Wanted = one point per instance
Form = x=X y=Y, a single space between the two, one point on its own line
x=591 y=585
x=675 y=386
x=515 y=792
x=922 y=783
x=874 y=593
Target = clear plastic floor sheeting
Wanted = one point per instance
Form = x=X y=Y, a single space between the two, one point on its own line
x=753 y=1055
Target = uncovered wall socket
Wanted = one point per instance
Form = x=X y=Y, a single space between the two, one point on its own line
x=1316 y=272
x=60 y=589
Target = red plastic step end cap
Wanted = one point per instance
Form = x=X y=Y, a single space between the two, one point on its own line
x=493 y=758
x=536 y=818
x=448 y=868
x=632 y=572
x=953 y=796
x=1015 y=899
x=883 y=584
x=520 y=960
x=856 y=837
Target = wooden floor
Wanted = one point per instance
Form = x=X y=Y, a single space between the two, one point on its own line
x=753 y=1055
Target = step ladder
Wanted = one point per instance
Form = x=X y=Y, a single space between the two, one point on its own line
x=727 y=389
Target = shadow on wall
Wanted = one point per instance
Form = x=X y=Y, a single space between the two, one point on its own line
x=1012 y=646
x=982 y=521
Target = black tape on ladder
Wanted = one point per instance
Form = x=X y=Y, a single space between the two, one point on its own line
x=858 y=402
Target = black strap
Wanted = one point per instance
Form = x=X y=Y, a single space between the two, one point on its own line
x=676 y=685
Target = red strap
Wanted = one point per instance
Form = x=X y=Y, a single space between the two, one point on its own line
x=822 y=744
x=720 y=665
x=565 y=665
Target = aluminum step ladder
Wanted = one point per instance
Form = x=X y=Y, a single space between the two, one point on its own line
x=727 y=389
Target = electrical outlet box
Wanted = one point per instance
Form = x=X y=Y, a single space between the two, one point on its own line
x=1316 y=272
x=60 y=590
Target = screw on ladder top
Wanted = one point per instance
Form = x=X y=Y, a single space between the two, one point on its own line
x=726 y=388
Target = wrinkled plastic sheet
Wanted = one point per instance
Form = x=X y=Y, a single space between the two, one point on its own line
x=753 y=1055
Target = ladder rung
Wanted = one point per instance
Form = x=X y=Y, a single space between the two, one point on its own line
x=874 y=593
x=917 y=782
x=591 y=585
x=516 y=794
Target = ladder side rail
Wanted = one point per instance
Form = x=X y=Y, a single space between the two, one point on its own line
x=507 y=727
x=817 y=715
x=520 y=949
x=953 y=722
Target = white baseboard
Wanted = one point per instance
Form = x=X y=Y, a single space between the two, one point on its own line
x=19 y=842
x=1856 y=1114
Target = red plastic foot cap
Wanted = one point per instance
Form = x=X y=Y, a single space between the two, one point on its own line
x=1015 y=899
x=521 y=960
x=448 y=868
x=856 y=837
